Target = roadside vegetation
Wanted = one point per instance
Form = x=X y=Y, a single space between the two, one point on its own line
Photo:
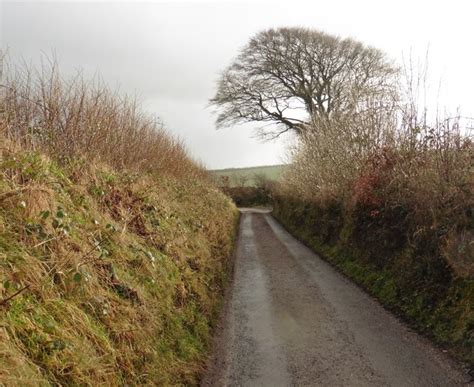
x=379 y=187
x=249 y=187
x=114 y=244
x=397 y=218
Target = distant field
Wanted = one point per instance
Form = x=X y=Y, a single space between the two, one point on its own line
x=249 y=176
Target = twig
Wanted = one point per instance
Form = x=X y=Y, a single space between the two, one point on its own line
x=44 y=242
x=37 y=103
x=5 y=300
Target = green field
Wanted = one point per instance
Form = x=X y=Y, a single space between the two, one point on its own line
x=249 y=176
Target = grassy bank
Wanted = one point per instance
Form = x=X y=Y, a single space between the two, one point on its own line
x=409 y=276
x=114 y=244
x=121 y=275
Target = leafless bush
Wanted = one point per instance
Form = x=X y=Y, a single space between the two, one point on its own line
x=325 y=161
x=76 y=118
x=393 y=157
x=330 y=157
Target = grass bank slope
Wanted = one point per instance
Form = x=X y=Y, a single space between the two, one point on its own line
x=114 y=244
x=120 y=274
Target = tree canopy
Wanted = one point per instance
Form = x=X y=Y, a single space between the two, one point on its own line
x=289 y=76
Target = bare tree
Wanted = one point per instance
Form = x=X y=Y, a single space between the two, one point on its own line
x=288 y=76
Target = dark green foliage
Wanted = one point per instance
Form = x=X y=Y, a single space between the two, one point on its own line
x=406 y=272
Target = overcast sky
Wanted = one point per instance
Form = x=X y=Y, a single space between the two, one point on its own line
x=170 y=53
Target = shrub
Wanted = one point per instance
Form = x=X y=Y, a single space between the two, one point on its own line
x=79 y=119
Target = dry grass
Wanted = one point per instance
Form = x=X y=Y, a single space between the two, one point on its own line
x=123 y=273
x=113 y=243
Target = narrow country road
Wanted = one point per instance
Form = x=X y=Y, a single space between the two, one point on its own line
x=292 y=320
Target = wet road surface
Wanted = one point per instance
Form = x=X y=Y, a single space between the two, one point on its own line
x=291 y=320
